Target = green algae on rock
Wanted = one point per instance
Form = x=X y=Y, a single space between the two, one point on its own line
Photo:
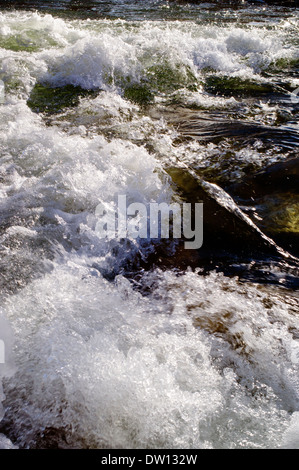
x=49 y=100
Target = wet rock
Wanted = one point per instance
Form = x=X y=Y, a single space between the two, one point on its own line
x=50 y=100
x=282 y=176
x=227 y=229
x=274 y=192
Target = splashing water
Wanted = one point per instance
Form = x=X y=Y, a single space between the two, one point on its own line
x=110 y=344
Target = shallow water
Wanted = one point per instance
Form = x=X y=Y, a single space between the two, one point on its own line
x=141 y=343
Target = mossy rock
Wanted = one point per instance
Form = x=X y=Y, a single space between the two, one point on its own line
x=284 y=64
x=18 y=44
x=49 y=100
x=165 y=78
x=139 y=94
x=281 y=213
x=235 y=86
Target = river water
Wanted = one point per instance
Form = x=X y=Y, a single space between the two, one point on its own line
x=140 y=343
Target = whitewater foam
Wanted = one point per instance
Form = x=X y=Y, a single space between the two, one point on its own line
x=112 y=54
x=187 y=361
x=109 y=367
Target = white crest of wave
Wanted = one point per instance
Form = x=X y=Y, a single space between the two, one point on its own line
x=112 y=54
x=110 y=367
x=99 y=58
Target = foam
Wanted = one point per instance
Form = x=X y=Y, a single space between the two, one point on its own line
x=109 y=54
x=6 y=443
x=89 y=53
x=198 y=362
x=113 y=368
x=62 y=178
x=291 y=436
x=6 y=357
x=37 y=30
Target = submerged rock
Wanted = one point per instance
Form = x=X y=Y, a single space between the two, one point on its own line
x=52 y=100
x=227 y=229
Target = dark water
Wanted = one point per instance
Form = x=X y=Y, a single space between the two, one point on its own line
x=142 y=343
x=151 y=9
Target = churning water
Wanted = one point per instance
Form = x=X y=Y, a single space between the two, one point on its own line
x=140 y=343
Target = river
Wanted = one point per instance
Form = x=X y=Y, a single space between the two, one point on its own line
x=123 y=342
